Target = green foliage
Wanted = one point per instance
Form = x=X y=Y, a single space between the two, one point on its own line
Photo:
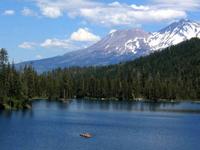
x=173 y=73
x=3 y=57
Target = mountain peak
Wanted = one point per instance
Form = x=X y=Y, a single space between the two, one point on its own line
x=181 y=25
x=122 y=41
x=175 y=33
x=127 y=31
x=184 y=21
x=124 y=45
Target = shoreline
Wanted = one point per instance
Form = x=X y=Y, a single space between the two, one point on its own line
x=15 y=105
x=27 y=104
x=143 y=100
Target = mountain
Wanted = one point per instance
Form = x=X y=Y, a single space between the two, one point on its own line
x=122 y=45
x=173 y=73
x=173 y=34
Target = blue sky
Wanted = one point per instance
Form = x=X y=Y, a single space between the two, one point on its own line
x=35 y=29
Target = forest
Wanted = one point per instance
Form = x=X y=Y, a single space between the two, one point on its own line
x=170 y=74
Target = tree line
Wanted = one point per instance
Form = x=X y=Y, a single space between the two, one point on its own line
x=173 y=73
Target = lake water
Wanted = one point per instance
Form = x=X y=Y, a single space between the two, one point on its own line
x=115 y=126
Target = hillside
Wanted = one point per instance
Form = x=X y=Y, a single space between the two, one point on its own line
x=173 y=73
x=121 y=46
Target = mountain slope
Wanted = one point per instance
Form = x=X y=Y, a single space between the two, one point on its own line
x=114 y=48
x=173 y=73
x=122 y=45
x=173 y=34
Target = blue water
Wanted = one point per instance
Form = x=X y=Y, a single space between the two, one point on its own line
x=115 y=126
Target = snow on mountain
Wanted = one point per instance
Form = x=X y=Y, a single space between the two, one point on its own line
x=136 y=44
x=122 y=42
x=173 y=34
x=139 y=42
x=122 y=45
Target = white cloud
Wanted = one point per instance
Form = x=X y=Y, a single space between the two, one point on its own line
x=28 y=12
x=49 y=43
x=140 y=7
x=55 y=9
x=9 y=12
x=126 y=15
x=79 y=39
x=51 y=11
x=116 y=13
x=84 y=35
x=27 y=45
x=61 y=44
x=185 y=5
x=39 y=56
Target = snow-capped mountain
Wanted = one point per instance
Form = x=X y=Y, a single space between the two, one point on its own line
x=122 y=45
x=173 y=34
x=123 y=42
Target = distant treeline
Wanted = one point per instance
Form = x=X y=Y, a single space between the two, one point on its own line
x=173 y=73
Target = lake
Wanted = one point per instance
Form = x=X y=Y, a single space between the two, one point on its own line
x=115 y=125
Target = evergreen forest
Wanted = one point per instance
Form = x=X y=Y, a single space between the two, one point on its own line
x=173 y=73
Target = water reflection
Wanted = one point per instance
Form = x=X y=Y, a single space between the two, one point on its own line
x=134 y=106
x=27 y=113
x=13 y=113
x=63 y=105
x=111 y=106
x=7 y=114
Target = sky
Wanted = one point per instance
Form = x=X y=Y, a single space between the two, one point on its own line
x=37 y=29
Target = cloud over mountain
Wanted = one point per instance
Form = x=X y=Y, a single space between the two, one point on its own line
x=116 y=13
x=84 y=35
x=81 y=38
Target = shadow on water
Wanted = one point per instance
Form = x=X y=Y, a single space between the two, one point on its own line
x=6 y=114
x=185 y=107
x=64 y=105
x=27 y=113
x=118 y=105
x=110 y=105
x=12 y=113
